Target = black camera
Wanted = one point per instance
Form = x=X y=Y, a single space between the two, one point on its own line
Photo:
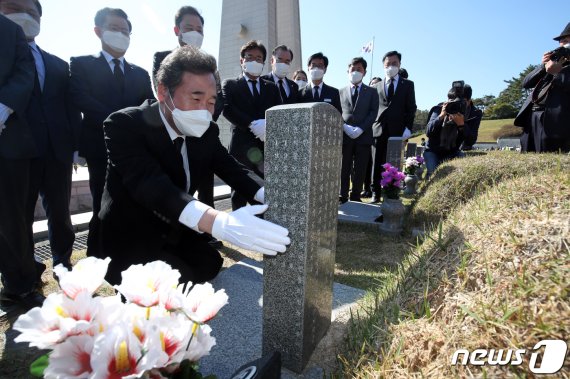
x=559 y=53
x=456 y=103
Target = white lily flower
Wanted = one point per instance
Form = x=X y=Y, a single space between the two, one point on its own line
x=87 y=275
x=142 y=284
x=203 y=303
x=71 y=359
x=118 y=352
x=39 y=327
x=197 y=344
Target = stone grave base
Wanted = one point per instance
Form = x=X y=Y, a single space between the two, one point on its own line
x=237 y=328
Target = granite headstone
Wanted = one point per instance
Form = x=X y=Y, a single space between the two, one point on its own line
x=395 y=152
x=411 y=149
x=302 y=176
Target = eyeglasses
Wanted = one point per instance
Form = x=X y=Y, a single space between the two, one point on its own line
x=249 y=58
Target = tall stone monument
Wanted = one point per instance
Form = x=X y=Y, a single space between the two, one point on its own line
x=270 y=21
x=302 y=176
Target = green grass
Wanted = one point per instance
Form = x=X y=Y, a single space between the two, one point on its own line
x=486 y=130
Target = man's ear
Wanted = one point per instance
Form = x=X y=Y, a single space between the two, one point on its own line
x=98 y=31
x=161 y=92
x=176 y=30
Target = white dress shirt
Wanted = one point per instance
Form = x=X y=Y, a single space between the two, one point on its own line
x=110 y=58
x=276 y=79
x=396 y=79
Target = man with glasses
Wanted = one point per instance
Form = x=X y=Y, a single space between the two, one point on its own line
x=245 y=101
x=317 y=90
x=100 y=85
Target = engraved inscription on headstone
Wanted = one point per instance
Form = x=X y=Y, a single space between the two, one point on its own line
x=411 y=149
x=395 y=152
x=302 y=176
x=420 y=151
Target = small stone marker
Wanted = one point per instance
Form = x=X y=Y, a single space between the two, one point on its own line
x=395 y=152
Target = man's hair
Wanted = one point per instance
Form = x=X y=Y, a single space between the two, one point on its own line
x=300 y=72
x=101 y=16
x=403 y=73
x=184 y=11
x=184 y=59
x=318 y=55
x=253 y=44
x=37 y=4
x=375 y=79
x=358 y=60
x=282 y=47
x=391 y=53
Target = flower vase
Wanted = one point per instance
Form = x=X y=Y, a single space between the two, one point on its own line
x=419 y=172
x=393 y=215
x=411 y=182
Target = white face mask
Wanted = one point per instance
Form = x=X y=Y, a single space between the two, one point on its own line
x=316 y=73
x=567 y=46
x=253 y=68
x=301 y=83
x=355 y=77
x=281 y=70
x=190 y=123
x=192 y=38
x=116 y=40
x=30 y=26
x=391 y=71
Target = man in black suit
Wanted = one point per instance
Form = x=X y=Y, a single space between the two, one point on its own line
x=317 y=90
x=158 y=153
x=100 y=85
x=281 y=58
x=545 y=115
x=359 y=109
x=396 y=114
x=17 y=147
x=245 y=101
x=54 y=122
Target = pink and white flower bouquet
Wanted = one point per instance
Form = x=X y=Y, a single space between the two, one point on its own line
x=159 y=332
x=412 y=164
x=392 y=181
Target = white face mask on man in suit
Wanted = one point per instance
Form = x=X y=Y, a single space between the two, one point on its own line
x=391 y=71
x=253 y=68
x=192 y=38
x=116 y=40
x=192 y=123
x=30 y=26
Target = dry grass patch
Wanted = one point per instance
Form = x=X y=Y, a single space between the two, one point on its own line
x=495 y=276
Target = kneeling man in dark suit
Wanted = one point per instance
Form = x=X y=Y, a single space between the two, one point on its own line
x=159 y=153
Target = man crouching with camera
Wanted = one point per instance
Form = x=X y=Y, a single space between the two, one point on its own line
x=452 y=124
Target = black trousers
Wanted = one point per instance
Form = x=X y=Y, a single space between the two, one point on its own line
x=51 y=179
x=196 y=260
x=368 y=176
x=97 y=170
x=250 y=155
x=354 y=161
x=539 y=142
x=17 y=263
x=379 y=150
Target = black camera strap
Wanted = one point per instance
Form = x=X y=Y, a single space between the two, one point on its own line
x=541 y=89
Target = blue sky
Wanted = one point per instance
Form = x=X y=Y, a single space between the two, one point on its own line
x=482 y=42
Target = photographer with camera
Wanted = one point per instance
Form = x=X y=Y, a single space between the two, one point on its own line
x=545 y=115
x=451 y=124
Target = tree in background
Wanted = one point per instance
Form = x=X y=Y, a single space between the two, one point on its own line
x=509 y=101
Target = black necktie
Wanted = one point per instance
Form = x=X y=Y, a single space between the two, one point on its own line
x=282 y=90
x=390 y=90
x=355 y=96
x=254 y=88
x=178 y=141
x=119 y=76
x=316 y=93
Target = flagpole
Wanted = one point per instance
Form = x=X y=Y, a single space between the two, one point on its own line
x=372 y=60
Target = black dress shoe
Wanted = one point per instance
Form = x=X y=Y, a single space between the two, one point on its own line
x=27 y=300
x=375 y=199
x=342 y=199
x=215 y=243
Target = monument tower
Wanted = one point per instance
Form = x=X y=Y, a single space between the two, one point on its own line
x=270 y=21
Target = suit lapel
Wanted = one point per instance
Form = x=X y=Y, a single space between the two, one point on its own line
x=382 y=91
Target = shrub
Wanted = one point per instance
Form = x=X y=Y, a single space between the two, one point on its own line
x=508 y=131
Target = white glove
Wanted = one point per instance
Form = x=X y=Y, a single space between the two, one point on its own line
x=347 y=129
x=407 y=133
x=243 y=229
x=257 y=127
x=356 y=132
